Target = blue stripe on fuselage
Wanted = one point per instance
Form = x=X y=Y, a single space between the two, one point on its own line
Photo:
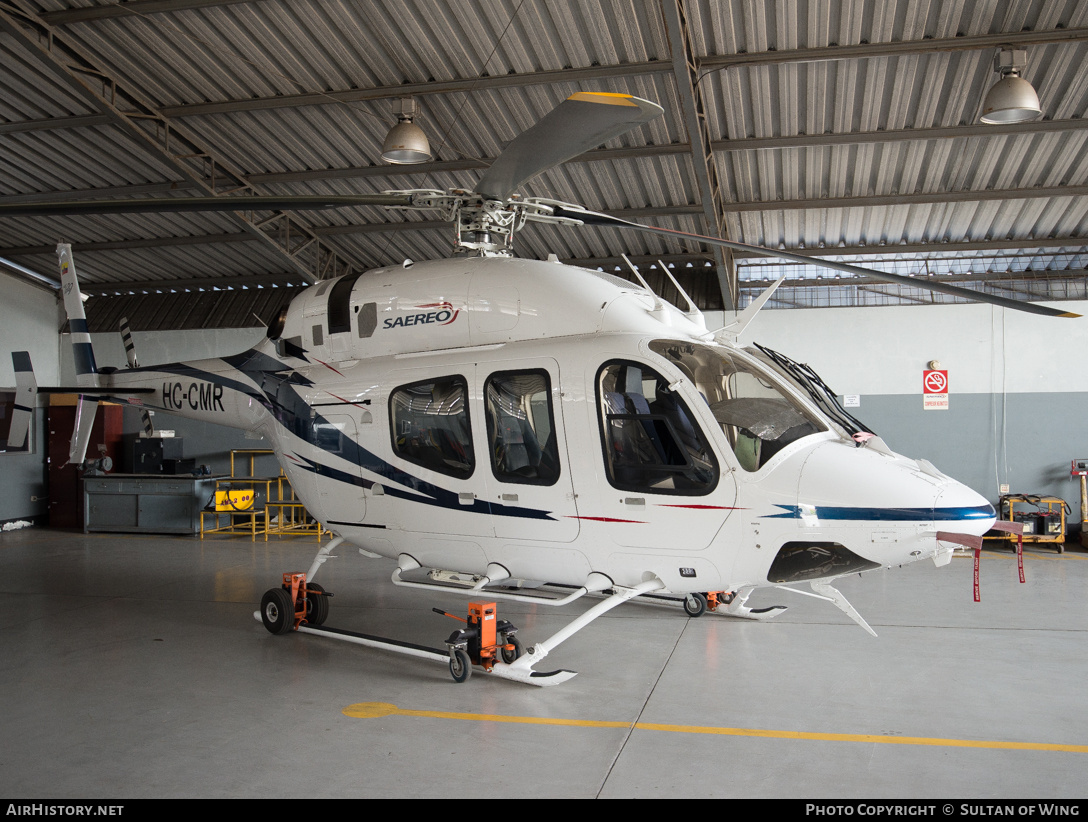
x=888 y=514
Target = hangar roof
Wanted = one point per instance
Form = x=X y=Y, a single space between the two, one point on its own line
x=847 y=128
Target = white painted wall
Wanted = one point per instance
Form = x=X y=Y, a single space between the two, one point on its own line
x=29 y=319
x=883 y=350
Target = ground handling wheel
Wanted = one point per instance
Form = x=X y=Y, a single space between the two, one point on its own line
x=317 y=604
x=512 y=650
x=695 y=604
x=460 y=665
x=278 y=611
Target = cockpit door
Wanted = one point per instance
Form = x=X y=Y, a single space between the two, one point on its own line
x=670 y=486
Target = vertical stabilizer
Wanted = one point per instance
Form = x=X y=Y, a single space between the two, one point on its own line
x=86 y=369
x=26 y=391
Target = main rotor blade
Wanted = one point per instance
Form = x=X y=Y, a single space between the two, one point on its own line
x=596 y=218
x=225 y=203
x=581 y=122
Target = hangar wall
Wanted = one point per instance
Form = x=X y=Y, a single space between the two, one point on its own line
x=28 y=322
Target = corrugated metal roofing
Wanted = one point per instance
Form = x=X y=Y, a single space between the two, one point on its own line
x=849 y=126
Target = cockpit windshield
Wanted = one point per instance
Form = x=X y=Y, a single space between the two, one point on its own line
x=757 y=418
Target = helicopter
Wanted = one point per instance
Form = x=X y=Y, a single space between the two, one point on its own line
x=527 y=430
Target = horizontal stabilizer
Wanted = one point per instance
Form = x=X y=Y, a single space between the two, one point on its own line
x=105 y=392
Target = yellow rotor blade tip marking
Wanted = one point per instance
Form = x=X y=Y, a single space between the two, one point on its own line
x=607 y=98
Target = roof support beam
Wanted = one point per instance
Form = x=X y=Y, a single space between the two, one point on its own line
x=596 y=155
x=685 y=71
x=462 y=86
x=899 y=249
x=917 y=249
x=290 y=239
x=703 y=64
x=975 y=42
x=131 y=8
x=917 y=198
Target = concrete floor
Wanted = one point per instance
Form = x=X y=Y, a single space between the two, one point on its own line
x=132 y=667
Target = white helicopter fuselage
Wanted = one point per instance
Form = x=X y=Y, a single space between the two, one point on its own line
x=543 y=422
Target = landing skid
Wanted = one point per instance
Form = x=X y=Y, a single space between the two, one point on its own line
x=695 y=605
x=500 y=670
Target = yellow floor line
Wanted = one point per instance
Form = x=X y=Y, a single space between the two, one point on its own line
x=371 y=710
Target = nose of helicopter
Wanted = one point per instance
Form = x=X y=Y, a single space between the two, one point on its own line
x=896 y=499
x=963 y=508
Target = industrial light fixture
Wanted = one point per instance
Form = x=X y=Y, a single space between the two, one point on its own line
x=1012 y=99
x=406 y=143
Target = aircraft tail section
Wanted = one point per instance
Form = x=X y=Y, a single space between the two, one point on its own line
x=86 y=368
x=130 y=356
x=26 y=390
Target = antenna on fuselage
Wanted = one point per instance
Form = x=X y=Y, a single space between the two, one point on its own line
x=693 y=313
x=659 y=304
x=733 y=330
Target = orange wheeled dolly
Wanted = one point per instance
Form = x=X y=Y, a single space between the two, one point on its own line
x=283 y=609
x=486 y=638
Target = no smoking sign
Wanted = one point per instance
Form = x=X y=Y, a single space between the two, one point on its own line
x=935 y=390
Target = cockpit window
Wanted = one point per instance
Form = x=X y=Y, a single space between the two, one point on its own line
x=757 y=418
x=651 y=442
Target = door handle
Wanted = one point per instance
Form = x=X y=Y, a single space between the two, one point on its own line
x=466 y=498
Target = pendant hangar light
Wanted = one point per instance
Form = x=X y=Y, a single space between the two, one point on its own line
x=1012 y=98
x=406 y=143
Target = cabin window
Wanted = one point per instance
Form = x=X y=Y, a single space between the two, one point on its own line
x=651 y=441
x=430 y=425
x=368 y=319
x=521 y=427
x=756 y=416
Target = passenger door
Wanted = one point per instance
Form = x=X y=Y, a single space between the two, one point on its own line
x=436 y=477
x=528 y=478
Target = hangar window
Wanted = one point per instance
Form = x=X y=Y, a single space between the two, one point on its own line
x=430 y=425
x=651 y=442
x=521 y=427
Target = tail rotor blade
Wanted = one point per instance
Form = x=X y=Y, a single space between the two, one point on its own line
x=130 y=355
